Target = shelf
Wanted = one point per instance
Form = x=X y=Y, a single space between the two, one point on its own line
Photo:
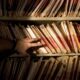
x=58 y=55
x=3 y=18
x=46 y=55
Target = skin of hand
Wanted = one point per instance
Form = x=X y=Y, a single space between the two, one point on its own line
x=23 y=45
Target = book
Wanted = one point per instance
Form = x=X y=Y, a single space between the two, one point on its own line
x=58 y=7
x=7 y=68
x=64 y=61
x=59 y=74
x=52 y=61
x=72 y=37
x=14 y=32
x=44 y=38
x=38 y=36
x=42 y=49
x=4 y=9
x=61 y=37
x=75 y=36
x=74 y=69
x=0 y=8
x=33 y=69
x=3 y=30
x=54 y=8
x=77 y=8
x=18 y=7
x=19 y=31
x=38 y=9
x=78 y=31
x=24 y=31
x=18 y=68
x=27 y=8
x=70 y=7
x=26 y=34
x=46 y=70
x=24 y=66
x=2 y=65
x=45 y=32
x=38 y=67
x=69 y=69
x=78 y=70
x=54 y=36
x=21 y=11
x=65 y=13
x=53 y=42
x=13 y=68
x=65 y=31
x=9 y=6
x=55 y=69
x=48 y=8
x=33 y=8
x=42 y=69
x=8 y=32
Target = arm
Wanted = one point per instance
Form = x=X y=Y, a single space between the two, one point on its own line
x=21 y=46
x=5 y=45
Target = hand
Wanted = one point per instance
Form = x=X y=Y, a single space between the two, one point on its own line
x=23 y=45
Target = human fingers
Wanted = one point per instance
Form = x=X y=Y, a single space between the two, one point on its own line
x=37 y=44
x=32 y=40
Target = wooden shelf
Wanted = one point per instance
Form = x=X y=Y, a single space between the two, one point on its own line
x=3 y=18
x=58 y=55
x=46 y=55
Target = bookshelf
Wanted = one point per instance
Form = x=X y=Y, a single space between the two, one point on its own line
x=43 y=20
x=44 y=66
